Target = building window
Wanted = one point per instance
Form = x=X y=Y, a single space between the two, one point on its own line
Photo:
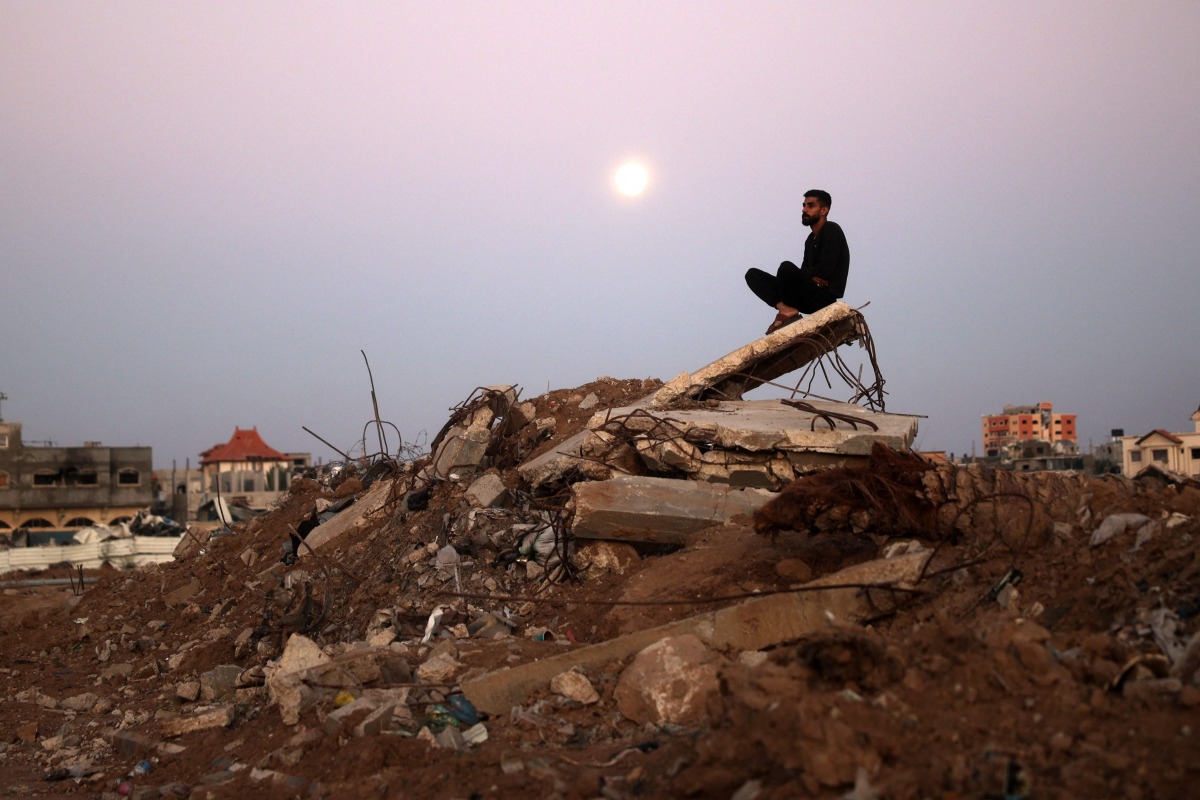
x=129 y=477
x=1196 y=453
x=1135 y=456
x=45 y=478
x=1158 y=455
x=88 y=478
x=3 y=479
x=3 y=441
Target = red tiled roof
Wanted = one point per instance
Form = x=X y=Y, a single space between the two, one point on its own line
x=1169 y=436
x=246 y=445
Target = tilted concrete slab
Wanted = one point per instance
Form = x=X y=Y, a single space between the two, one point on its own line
x=767 y=358
x=348 y=519
x=662 y=510
x=750 y=625
x=770 y=425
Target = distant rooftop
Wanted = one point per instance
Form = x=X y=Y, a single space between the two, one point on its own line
x=246 y=445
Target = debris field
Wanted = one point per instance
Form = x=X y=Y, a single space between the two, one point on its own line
x=634 y=589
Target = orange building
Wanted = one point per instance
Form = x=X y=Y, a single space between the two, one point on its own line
x=1001 y=432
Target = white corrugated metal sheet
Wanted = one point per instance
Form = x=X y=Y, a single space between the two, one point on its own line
x=132 y=552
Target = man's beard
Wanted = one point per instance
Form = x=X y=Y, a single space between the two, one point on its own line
x=807 y=219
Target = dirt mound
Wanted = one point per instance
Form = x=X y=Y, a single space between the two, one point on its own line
x=1032 y=657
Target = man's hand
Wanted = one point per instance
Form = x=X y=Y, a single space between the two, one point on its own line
x=820 y=282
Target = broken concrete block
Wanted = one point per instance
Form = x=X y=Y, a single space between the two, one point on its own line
x=774 y=355
x=464 y=446
x=341 y=719
x=487 y=490
x=79 y=702
x=188 y=691
x=751 y=625
x=219 y=682
x=572 y=454
x=591 y=401
x=439 y=668
x=193 y=541
x=216 y=718
x=574 y=685
x=673 y=681
x=377 y=721
x=348 y=519
x=657 y=509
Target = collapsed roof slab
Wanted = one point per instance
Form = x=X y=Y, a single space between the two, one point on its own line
x=751 y=625
x=772 y=425
x=661 y=510
x=767 y=358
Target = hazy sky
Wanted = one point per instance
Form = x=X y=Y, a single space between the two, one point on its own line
x=208 y=208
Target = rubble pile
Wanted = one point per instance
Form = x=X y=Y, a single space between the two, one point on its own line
x=632 y=589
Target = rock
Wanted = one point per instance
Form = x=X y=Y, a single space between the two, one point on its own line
x=28 y=732
x=606 y=556
x=79 y=702
x=589 y=402
x=672 y=681
x=575 y=686
x=219 y=682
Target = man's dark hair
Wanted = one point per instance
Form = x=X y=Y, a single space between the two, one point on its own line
x=821 y=196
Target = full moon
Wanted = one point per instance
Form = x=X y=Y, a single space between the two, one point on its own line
x=631 y=179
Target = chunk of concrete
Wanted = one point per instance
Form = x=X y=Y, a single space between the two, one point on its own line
x=348 y=519
x=486 y=490
x=768 y=358
x=751 y=625
x=659 y=510
x=216 y=718
x=464 y=446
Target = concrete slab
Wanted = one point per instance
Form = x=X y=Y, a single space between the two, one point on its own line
x=348 y=519
x=757 y=426
x=750 y=625
x=661 y=510
x=763 y=360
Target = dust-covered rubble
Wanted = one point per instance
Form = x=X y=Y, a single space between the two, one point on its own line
x=837 y=621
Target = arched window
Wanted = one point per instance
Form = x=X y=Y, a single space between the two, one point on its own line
x=78 y=522
x=129 y=477
x=37 y=522
x=119 y=520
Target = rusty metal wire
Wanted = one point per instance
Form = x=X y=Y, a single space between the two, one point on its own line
x=827 y=416
x=873 y=393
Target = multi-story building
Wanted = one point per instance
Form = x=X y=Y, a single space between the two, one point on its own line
x=1178 y=452
x=1007 y=434
x=68 y=488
